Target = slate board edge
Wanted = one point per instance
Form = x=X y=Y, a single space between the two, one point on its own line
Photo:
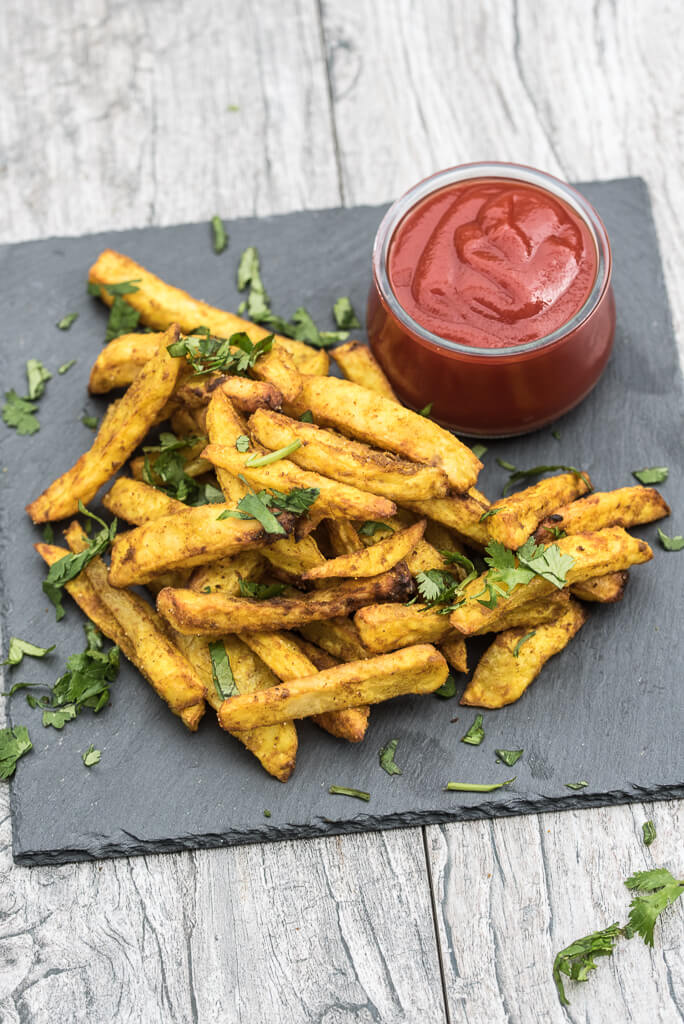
x=358 y=824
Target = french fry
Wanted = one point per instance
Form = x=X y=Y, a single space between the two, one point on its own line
x=420 y=669
x=349 y=724
x=379 y=421
x=148 y=646
x=192 y=468
x=627 y=506
x=316 y=655
x=275 y=746
x=287 y=661
x=386 y=627
x=223 y=575
x=350 y=462
x=454 y=650
x=137 y=502
x=216 y=614
x=358 y=364
x=513 y=519
x=372 y=561
x=343 y=538
x=116 y=439
x=338 y=637
x=603 y=589
x=423 y=557
x=335 y=500
x=160 y=304
x=182 y=540
x=120 y=361
x=461 y=513
x=595 y=554
x=246 y=394
x=516 y=658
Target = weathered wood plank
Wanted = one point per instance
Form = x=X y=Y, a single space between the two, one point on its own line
x=120 y=118
x=594 y=92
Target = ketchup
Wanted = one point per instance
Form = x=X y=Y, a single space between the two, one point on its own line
x=492 y=263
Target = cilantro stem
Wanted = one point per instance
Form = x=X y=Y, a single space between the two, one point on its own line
x=265 y=460
x=473 y=787
x=344 y=791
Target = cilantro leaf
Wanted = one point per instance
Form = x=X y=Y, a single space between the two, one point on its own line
x=426 y=410
x=89 y=421
x=345 y=791
x=548 y=562
x=476 y=787
x=242 y=443
x=670 y=543
x=306 y=417
x=65 y=366
x=260 y=591
x=479 y=450
x=68 y=567
x=254 y=508
x=14 y=743
x=122 y=287
x=167 y=473
x=523 y=640
x=36 y=375
x=123 y=318
x=298 y=501
x=576 y=785
x=48 y=533
x=219 y=234
x=648 y=832
x=662 y=890
x=58 y=717
x=91 y=756
x=85 y=684
x=475 y=733
x=18 y=648
x=206 y=354
x=509 y=757
x=371 y=527
x=65 y=323
x=577 y=959
x=447 y=689
x=386 y=757
x=19 y=413
x=344 y=314
x=651 y=475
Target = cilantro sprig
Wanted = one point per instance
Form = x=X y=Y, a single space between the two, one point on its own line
x=206 y=354
x=167 y=472
x=259 y=505
x=123 y=318
x=68 y=567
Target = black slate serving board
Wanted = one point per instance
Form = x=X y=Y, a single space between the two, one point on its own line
x=607 y=710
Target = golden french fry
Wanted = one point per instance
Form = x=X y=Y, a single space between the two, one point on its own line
x=157 y=659
x=246 y=394
x=316 y=655
x=363 y=414
x=627 y=506
x=185 y=539
x=603 y=589
x=441 y=538
x=532 y=613
x=160 y=304
x=516 y=658
x=184 y=422
x=420 y=669
x=372 y=561
x=223 y=575
x=349 y=723
x=119 y=362
x=342 y=536
x=216 y=614
x=454 y=650
x=423 y=557
x=335 y=500
x=285 y=658
x=595 y=554
x=461 y=513
x=137 y=502
x=513 y=519
x=358 y=364
x=116 y=439
x=350 y=462
x=338 y=637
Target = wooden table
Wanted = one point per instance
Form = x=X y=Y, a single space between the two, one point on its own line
x=122 y=114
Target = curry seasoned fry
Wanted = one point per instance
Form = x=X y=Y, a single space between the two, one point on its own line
x=424 y=555
x=335 y=500
x=285 y=658
x=185 y=539
x=160 y=304
x=594 y=554
x=338 y=637
x=120 y=361
x=358 y=364
x=602 y=589
x=137 y=502
x=511 y=520
x=454 y=650
x=147 y=644
x=627 y=506
x=462 y=513
x=372 y=561
x=223 y=576
x=420 y=669
x=379 y=421
x=245 y=393
x=116 y=439
x=350 y=462
x=516 y=658
x=216 y=614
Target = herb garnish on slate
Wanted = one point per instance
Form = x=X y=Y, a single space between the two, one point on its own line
x=219 y=233
x=447 y=689
x=651 y=475
x=68 y=567
x=648 y=832
x=20 y=413
x=344 y=314
x=475 y=733
x=18 y=648
x=670 y=543
x=509 y=757
x=37 y=377
x=65 y=323
x=386 y=757
x=344 y=791
x=14 y=743
x=516 y=475
x=123 y=318
x=474 y=787
x=91 y=756
x=207 y=354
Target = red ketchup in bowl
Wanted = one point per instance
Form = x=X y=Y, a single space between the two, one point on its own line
x=491 y=298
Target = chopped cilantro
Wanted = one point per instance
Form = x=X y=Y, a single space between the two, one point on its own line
x=555 y=434
x=651 y=475
x=523 y=640
x=219 y=234
x=242 y=443
x=222 y=674
x=506 y=465
x=37 y=376
x=474 y=787
x=371 y=527
x=68 y=567
x=670 y=543
x=91 y=756
x=488 y=513
x=306 y=417
x=167 y=473
x=577 y=785
x=509 y=757
x=123 y=318
x=89 y=421
x=386 y=757
x=447 y=689
x=65 y=323
x=479 y=450
x=426 y=410
x=18 y=648
x=661 y=889
x=19 y=413
x=475 y=733
x=14 y=743
x=577 y=959
x=344 y=314
x=649 y=832
x=260 y=591
x=267 y=814
x=344 y=791
x=206 y=354
x=66 y=366
x=48 y=533
x=282 y=453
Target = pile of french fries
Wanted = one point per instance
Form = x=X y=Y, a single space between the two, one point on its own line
x=395 y=491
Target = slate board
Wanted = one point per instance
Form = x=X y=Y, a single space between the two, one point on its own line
x=608 y=709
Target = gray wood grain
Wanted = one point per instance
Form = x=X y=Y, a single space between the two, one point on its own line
x=119 y=117
x=592 y=92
